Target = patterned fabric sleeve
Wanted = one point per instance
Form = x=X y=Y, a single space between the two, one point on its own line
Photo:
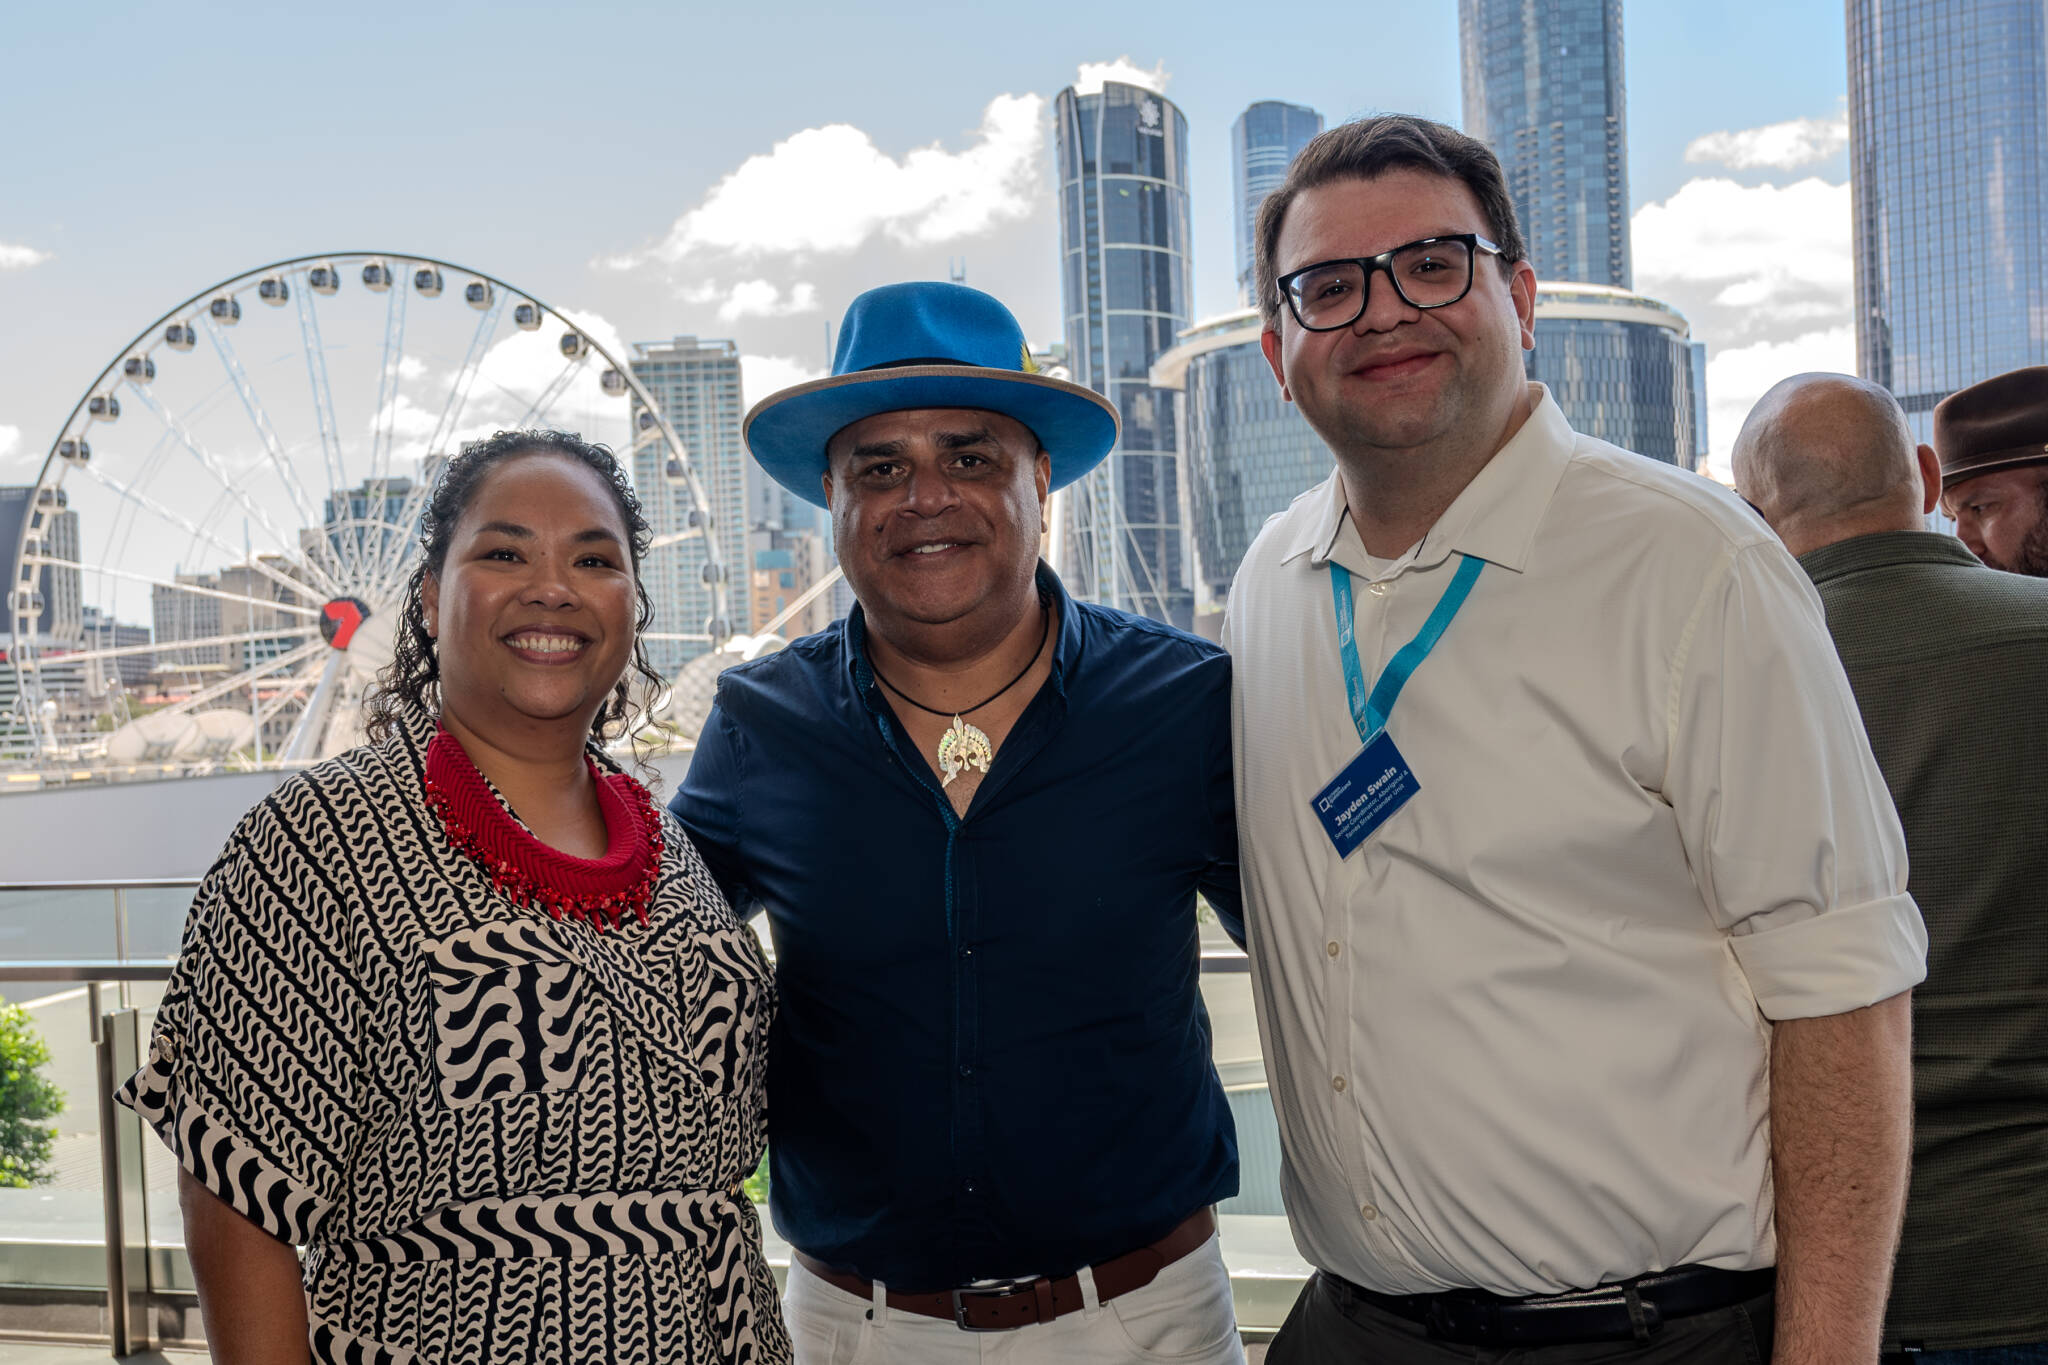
x=252 y=1073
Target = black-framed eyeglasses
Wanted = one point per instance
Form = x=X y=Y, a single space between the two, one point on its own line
x=1433 y=273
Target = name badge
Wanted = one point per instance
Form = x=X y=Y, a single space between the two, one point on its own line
x=1366 y=794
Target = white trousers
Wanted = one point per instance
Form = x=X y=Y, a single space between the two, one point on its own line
x=1183 y=1316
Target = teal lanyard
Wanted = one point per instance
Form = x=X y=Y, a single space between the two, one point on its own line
x=1370 y=713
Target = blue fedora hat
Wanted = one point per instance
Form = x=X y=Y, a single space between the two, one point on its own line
x=926 y=345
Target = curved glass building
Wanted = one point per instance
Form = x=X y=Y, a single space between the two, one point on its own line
x=1249 y=452
x=1948 y=156
x=1127 y=287
x=1544 y=88
x=1263 y=144
x=1621 y=367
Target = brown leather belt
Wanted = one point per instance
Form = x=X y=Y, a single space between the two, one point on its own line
x=1003 y=1307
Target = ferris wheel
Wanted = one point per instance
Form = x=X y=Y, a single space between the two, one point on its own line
x=210 y=562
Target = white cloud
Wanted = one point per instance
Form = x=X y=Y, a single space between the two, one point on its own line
x=764 y=299
x=20 y=257
x=761 y=375
x=1765 y=275
x=10 y=445
x=830 y=191
x=1779 y=146
x=1122 y=70
x=411 y=367
x=1749 y=263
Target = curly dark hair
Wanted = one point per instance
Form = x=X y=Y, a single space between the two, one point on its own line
x=412 y=680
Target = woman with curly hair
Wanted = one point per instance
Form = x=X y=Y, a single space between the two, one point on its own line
x=460 y=1011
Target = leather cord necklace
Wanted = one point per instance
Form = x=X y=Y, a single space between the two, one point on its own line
x=965 y=746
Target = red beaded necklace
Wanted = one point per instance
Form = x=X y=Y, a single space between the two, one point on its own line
x=596 y=890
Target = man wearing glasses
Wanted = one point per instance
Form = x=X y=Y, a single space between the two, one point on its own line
x=1582 y=960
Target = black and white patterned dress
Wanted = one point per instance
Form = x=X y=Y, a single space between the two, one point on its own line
x=500 y=1137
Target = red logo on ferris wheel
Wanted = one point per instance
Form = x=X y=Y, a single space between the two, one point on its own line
x=341 y=618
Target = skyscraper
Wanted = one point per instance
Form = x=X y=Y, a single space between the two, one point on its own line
x=696 y=384
x=1544 y=88
x=1948 y=158
x=1620 y=367
x=1263 y=144
x=1248 y=452
x=1128 y=290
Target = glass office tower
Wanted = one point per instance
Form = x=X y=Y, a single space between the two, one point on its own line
x=1620 y=366
x=1948 y=153
x=1247 y=451
x=1128 y=290
x=1263 y=144
x=697 y=385
x=1544 y=88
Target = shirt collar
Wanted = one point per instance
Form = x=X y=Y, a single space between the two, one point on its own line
x=1495 y=518
x=1881 y=549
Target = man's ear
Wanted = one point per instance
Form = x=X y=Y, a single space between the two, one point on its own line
x=1269 y=342
x=1522 y=285
x=1930 y=478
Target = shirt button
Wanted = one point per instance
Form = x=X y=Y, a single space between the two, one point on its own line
x=1378 y=590
x=966 y=1069
x=965 y=951
x=1368 y=1212
x=969 y=1186
x=1331 y=948
x=1337 y=1084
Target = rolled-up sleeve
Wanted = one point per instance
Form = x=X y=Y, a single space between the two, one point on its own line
x=1786 y=819
x=253 y=1073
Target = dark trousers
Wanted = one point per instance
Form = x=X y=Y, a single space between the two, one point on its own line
x=1330 y=1324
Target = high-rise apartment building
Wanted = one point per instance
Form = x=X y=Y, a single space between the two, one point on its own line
x=1544 y=88
x=48 y=601
x=696 y=384
x=1263 y=144
x=1128 y=291
x=1948 y=174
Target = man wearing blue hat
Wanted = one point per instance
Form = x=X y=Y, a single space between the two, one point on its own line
x=977 y=814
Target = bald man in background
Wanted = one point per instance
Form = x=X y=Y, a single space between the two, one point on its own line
x=1949 y=663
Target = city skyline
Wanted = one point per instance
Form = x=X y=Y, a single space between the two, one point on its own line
x=73 y=257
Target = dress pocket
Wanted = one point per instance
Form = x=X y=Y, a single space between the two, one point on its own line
x=511 y=1013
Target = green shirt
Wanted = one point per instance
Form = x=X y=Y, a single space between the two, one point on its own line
x=1949 y=663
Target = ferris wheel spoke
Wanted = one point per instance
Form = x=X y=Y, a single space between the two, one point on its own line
x=170 y=585
x=259 y=417
x=323 y=393
x=181 y=646
x=385 y=575
x=388 y=376
x=258 y=563
x=313 y=719
x=291 y=658
x=555 y=389
x=286 y=545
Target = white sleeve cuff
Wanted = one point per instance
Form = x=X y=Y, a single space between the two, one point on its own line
x=1843 y=959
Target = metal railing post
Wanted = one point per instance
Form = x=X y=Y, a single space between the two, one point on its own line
x=124 y=1188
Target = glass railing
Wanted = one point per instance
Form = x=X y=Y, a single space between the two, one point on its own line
x=76 y=954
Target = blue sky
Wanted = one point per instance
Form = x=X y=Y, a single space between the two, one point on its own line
x=157 y=148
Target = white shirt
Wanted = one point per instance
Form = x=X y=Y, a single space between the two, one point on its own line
x=1518 y=1040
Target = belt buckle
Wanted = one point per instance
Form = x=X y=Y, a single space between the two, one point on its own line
x=984 y=1291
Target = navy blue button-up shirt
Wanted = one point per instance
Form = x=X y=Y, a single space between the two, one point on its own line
x=991 y=1057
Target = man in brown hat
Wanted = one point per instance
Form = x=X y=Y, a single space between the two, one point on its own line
x=1993 y=442
x=1948 y=661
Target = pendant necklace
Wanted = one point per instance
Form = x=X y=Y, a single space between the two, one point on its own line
x=965 y=746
